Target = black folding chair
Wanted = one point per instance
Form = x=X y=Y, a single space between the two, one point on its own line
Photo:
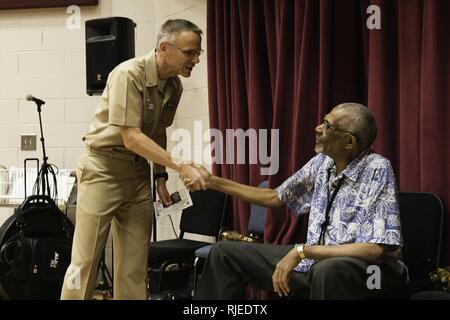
x=171 y=261
x=422 y=216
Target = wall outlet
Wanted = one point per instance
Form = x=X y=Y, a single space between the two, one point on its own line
x=28 y=142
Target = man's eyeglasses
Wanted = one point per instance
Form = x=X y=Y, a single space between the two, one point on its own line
x=330 y=128
x=188 y=53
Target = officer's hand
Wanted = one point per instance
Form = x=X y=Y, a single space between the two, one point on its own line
x=163 y=194
x=203 y=172
x=283 y=272
x=189 y=172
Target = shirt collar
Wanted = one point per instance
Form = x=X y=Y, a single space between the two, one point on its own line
x=151 y=72
x=353 y=168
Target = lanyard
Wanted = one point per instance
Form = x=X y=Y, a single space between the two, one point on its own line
x=327 y=211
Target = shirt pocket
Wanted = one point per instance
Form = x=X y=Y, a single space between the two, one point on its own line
x=168 y=114
x=148 y=114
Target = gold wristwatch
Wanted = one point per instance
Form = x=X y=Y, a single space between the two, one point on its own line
x=300 y=250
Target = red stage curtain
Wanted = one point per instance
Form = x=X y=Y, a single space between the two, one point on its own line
x=284 y=64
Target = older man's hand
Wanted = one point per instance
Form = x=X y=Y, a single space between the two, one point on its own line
x=192 y=174
x=205 y=174
x=283 y=272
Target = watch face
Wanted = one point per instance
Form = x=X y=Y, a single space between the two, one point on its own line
x=303 y=251
x=300 y=252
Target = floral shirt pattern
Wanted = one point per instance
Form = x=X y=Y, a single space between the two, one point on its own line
x=365 y=208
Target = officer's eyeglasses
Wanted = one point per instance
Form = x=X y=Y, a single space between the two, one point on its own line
x=188 y=53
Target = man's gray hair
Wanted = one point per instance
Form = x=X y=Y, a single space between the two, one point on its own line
x=171 y=28
x=360 y=121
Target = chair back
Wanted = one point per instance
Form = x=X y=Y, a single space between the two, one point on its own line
x=421 y=215
x=207 y=214
x=258 y=215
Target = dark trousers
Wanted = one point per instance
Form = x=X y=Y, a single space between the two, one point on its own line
x=231 y=265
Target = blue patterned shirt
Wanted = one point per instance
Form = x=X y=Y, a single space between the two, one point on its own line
x=365 y=209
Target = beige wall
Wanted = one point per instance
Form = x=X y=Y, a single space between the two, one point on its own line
x=41 y=56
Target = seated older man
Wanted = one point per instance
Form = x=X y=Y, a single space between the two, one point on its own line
x=354 y=239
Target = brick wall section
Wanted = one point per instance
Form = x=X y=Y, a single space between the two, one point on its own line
x=39 y=55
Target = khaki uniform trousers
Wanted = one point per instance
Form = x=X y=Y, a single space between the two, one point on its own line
x=113 y=190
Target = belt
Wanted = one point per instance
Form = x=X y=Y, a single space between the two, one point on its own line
x=113 y=154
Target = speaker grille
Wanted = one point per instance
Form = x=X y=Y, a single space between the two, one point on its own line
x=109 y=42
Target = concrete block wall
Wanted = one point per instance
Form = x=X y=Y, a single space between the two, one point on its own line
x=39 y=55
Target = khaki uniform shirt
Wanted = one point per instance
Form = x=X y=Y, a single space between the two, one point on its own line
x=131 y=98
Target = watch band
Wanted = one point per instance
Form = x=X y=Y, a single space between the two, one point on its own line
x=161 y=175
x=300 y=250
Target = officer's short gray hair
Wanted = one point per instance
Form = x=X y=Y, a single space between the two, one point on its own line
x=171 y=28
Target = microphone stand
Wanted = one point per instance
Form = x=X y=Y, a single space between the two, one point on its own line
x=45 y=168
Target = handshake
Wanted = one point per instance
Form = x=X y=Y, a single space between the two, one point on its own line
x=195 y=177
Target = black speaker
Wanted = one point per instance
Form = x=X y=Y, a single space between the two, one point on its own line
x=109 y=41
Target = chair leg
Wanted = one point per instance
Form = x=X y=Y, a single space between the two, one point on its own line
x=194 y=276
x=175 y=277
x=162 y=270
